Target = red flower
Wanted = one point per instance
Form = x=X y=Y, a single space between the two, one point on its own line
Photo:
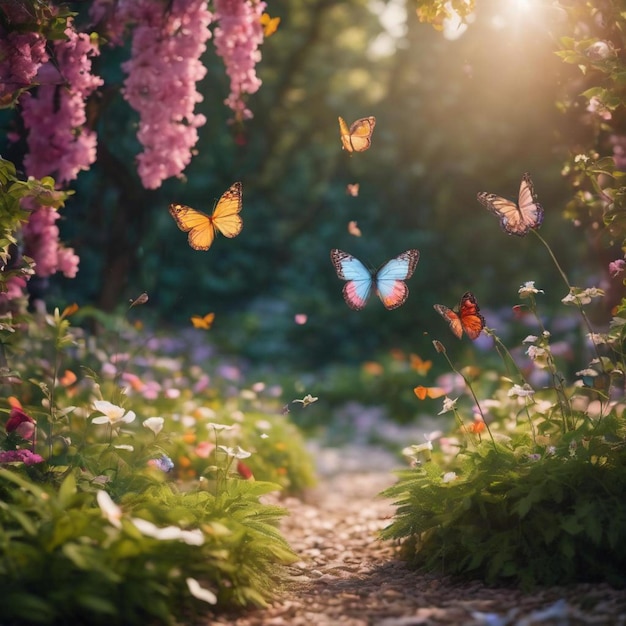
x=244 y=471
x=20 y=423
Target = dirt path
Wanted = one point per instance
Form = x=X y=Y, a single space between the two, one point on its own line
x=348 y=577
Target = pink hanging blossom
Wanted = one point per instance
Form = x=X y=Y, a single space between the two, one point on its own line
x=58 y=142
x=41 y=242
x=21 y=56
x=162 y=73
x=237 y=41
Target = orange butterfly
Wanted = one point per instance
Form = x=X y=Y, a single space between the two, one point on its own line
x=358 y=137
x=419 y=365
x=270 y=24
x=202 y=227
x=431 y=392
x=467 y=318
x=204 y=322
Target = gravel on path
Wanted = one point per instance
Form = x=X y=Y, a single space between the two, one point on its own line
x=348 y=577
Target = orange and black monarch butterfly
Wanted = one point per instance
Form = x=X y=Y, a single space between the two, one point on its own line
x=358 y=137
x=202 y=227
x=467 y=318
x=516 y=219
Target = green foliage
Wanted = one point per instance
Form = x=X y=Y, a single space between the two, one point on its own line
x=539 y=499
x=63 y=561
x=186 y=509
x=505 y=517
x=12 y=214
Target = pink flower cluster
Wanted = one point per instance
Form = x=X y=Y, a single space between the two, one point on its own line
x=20 y=456
x=58 y=142
x=161 y=84
x=237 y=41
x=21 y=55
x=41 y=242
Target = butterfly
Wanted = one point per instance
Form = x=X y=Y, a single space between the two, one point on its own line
x=429 y=392
x=270 y=24
x=467 y=318
x=205 y=322
x=353 y=229
x=352 y=189
x=202 y=227
x=419 y=365
x=358 y=137
x=516 y=219
x=388 y=281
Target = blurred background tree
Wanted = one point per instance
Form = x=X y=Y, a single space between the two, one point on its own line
x=456 y=114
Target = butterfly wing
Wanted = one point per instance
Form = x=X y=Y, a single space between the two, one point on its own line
x=530 y=210
x=515 y=219
x=452 y=318
x=199 y=225
x=226 y=216
x=469 y=315
x=389 y=279
x=358 y=137
x=204 y=322
x=357 y=290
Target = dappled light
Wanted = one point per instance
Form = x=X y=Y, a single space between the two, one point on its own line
x=312 y=312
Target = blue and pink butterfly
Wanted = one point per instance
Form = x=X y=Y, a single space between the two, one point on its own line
x=387 y=281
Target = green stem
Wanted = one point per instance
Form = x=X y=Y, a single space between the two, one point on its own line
x=469 y=386
x=569 y=288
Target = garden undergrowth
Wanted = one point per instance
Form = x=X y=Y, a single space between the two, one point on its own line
x=134 y=477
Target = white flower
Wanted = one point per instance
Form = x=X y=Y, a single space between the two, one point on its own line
x=236 y=452
x=448 y=477
x=113 y=414
x=598 y=338
x=417 y=448
x=110 y=510
x=581 y=158
x=168 y=533
x=308 y=399
x=218 y=427
x=582 y=296
x=448 y=405
x=521 y=392
x=155 y=424
x=528 y=289
x=247 y=394
x=530 y=339
x=200 y=592
x=535 y=352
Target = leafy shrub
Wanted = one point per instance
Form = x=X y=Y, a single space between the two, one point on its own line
x=106 y=518
x=532 y=490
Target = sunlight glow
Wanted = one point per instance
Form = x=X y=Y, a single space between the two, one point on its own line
x=393 y=17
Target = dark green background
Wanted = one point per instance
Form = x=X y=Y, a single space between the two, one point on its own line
x=453 y=118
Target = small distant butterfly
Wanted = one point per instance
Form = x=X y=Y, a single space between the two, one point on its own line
x=270 y=24
x=352 y=189
x=140 y=299
x=429 y=392
x=354 y=229
x=467 y=318
x=203 y=321
x=388 y=281
x=516 y=219
x=419 y=365
x=202 y=227
x=358 y=137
